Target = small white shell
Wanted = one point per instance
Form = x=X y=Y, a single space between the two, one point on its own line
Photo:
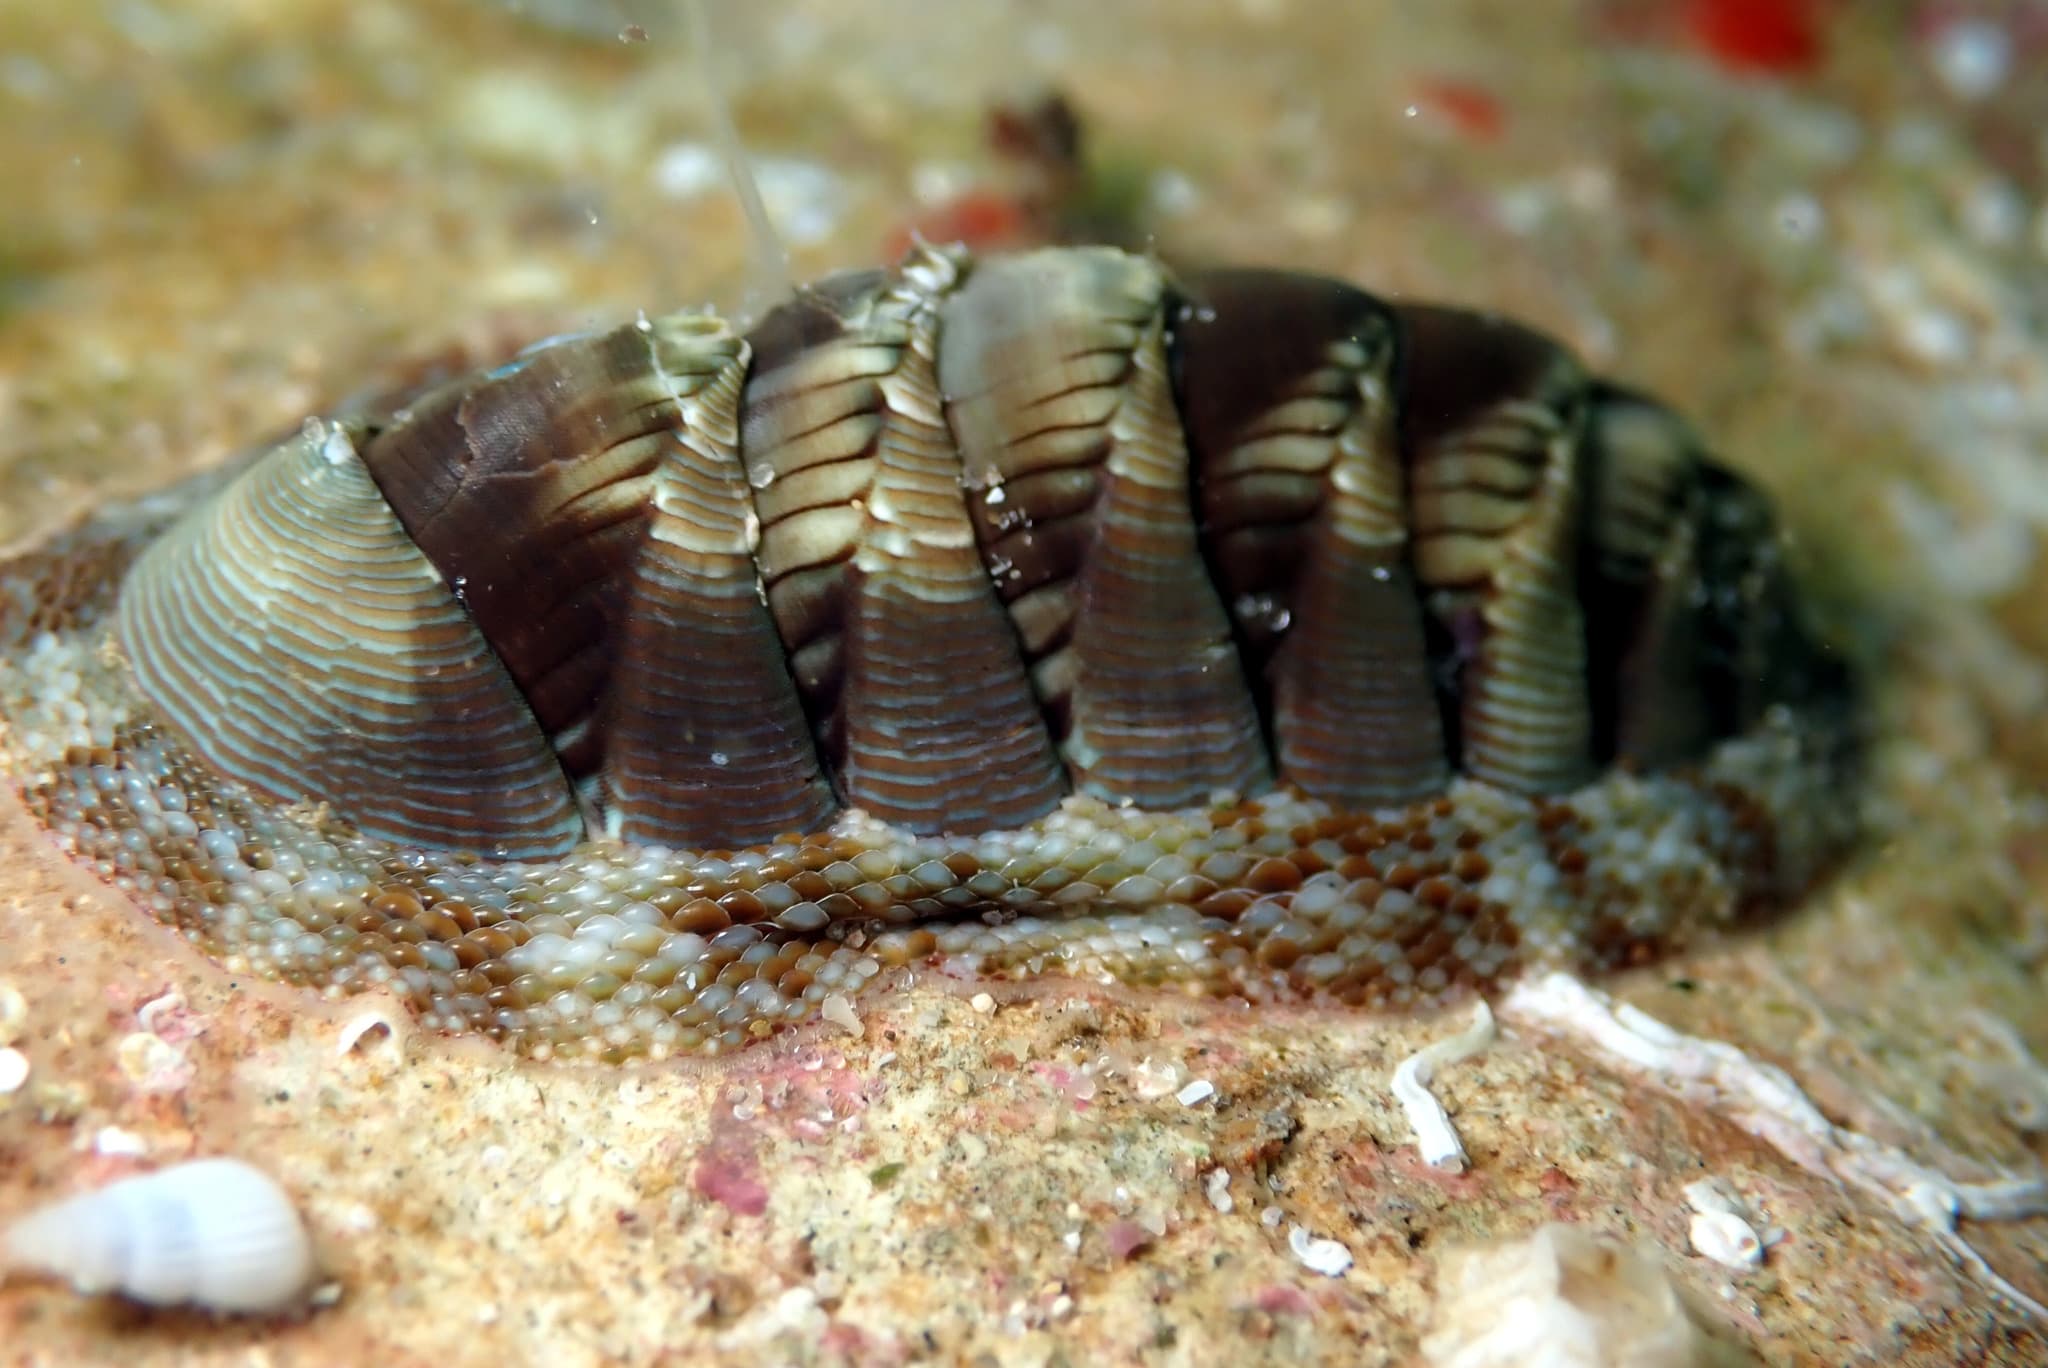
x=1727 y=1239
x=216 y=1233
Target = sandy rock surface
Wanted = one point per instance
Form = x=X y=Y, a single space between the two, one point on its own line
x=227 y=215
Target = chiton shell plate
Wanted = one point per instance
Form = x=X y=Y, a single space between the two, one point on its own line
x=1042 y=614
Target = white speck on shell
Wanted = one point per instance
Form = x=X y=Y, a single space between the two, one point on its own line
x=376 y=1028
x=1319 y=1254
x=214 y=1233
x=13 y=1069
x=1726 y=1239
x=1721 y=1227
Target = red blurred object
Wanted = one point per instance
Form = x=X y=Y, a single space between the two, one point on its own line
x=1776 y=37
x=1039 y=139
x=980 y=218
x=1468 y=108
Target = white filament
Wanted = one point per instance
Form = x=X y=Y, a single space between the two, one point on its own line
x=1435 y=1136
x=771 y=258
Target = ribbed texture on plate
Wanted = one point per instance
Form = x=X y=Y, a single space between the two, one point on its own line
x=966 y=535
x=1286 y=386
x=528 y=487
x=908 y=664
x=708 y=743
x=1494 y=415
x=1642 y=473
x=1055 y=370
x=1754 y=648
x=298 y=640
x=1640 y=577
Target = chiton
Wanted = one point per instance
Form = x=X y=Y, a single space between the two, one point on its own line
x=1036 y=614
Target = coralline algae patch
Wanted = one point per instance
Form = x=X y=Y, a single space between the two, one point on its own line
x=622 y=951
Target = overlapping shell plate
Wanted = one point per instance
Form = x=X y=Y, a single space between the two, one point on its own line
x=1033 y=616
